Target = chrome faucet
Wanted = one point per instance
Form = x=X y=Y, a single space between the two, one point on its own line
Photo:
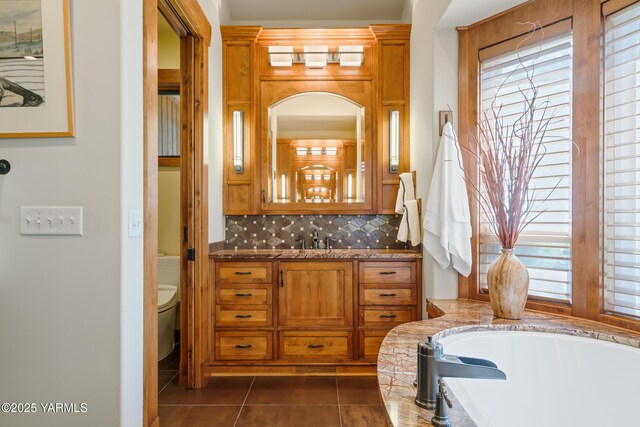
x=434 y=365
x=315 y=239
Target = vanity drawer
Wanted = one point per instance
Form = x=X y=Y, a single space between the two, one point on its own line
x=299 y=345
x=386 y=316
x=244 y=346
x=243 y=272
x=370 y=342
x=388 y=272
x=243 y=315
x=387 y=296
x=244 y=294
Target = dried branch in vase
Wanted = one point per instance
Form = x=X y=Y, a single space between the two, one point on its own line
x=508 y=153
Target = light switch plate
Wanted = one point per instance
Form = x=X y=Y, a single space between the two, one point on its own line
x=135 y=223
x=51 y=220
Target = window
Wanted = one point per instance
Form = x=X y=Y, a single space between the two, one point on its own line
x=545 y=244
x=621 y=163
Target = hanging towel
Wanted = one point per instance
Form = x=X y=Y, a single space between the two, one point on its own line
x=405 y=192
x=410 y=225
x=447 y=222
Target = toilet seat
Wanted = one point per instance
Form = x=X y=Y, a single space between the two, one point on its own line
x=167 y=297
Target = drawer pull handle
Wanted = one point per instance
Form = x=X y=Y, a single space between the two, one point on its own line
x=243 y=316
x=388 y=316
x=316 y=345
x=243 y=273
x=387 y=272
x=244 y=295
x=244 y=346
x=388 y=295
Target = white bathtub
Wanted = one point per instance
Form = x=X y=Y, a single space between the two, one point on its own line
x=552 y=380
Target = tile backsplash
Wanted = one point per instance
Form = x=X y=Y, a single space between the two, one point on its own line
x=284 y=231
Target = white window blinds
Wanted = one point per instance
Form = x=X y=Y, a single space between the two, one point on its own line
x=545 y=244
x=621 y=269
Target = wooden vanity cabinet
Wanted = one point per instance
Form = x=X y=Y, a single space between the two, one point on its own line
x=315 y=294
x=307 y=316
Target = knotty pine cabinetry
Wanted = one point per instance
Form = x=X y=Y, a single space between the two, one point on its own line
x=307 y=316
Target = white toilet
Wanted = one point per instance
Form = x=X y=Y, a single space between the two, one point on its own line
x=167 y=302
x=168 y=298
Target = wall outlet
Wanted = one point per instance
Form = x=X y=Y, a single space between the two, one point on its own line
x=51 y=220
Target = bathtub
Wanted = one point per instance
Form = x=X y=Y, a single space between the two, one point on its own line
x=552 y=380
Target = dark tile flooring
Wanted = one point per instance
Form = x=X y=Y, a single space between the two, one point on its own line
x=269 y=401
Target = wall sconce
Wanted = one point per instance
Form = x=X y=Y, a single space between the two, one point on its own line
x=238 y=141
x=394 y=141
x=315 y=56
x=281 y=56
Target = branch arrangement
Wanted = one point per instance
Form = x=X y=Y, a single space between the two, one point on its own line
x=508 y=155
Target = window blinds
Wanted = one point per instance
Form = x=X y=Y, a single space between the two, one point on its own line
x=545 y=245
x=621 y=167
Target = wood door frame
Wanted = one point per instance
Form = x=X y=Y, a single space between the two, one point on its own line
x=191 y=24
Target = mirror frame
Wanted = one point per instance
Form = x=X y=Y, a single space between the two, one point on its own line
x=357 y=91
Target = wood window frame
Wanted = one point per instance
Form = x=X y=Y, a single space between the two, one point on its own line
x=587 y=18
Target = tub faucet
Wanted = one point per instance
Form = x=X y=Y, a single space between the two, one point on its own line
x=434 y=365
x=315 y=239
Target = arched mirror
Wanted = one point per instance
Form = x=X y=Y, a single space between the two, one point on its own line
x=316 y=144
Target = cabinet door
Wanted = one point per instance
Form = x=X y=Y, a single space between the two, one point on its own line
x=315 y=294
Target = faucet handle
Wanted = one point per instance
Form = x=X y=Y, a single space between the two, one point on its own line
x=328 y=244
x=442 y=390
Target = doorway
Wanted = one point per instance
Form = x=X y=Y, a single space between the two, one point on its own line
x=189 y=22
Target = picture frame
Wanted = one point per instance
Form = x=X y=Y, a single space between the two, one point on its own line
x=36 y=86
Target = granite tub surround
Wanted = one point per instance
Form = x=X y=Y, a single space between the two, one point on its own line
x=285 y=231
x=397 y=357
x=360 y=254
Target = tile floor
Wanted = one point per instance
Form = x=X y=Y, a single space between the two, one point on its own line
x=269 y=401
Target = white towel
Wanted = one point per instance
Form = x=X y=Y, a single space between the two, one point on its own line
x=405 y=192
x=447 y=221
x=410 y=225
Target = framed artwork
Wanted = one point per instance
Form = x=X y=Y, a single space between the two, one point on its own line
x=36 y=90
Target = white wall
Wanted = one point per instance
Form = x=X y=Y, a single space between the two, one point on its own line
x=131 y=198
x=218 y=14
x=71 y=307
x=433 y=86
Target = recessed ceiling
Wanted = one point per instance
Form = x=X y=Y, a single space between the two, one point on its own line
x=306 y=10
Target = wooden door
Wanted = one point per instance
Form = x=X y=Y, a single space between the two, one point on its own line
x=315 y=294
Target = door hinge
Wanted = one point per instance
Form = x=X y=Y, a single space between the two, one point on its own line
x=191 y=254
x=185 y=234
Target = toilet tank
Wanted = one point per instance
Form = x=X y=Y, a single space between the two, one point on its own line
x=169 y=270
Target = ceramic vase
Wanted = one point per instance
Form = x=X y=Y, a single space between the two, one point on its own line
x=508 y=281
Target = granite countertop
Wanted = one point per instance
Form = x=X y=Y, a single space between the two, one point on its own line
x=315 y=254
x=397 y=359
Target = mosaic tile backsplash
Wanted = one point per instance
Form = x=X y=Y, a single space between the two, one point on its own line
x=285 y=231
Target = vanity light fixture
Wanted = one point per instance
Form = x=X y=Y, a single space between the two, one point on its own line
x=351 y=56
x=238 y=141
x=281 y=56
x=394 y=141
x=316 y=56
